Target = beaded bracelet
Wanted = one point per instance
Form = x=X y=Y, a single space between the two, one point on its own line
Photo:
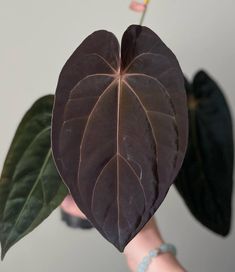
x=164 y=248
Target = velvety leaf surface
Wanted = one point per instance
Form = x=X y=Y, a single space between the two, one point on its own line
x=30 y=187
x=206 y=179
x=119 y=130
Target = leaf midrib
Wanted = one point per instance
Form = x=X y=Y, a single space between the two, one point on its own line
x=30 y=194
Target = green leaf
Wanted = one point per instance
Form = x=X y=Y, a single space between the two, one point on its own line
x=30 y=186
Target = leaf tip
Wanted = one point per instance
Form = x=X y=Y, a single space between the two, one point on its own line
x=3 y=252
x=121 y=245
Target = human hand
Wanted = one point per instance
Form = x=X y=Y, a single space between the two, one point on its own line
x=147 y=239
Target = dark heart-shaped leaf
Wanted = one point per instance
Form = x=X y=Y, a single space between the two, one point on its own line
x=206 y=179
x=119 y=129
x=30 y=187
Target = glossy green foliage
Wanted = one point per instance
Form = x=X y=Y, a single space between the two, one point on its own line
x=206 y=178
x=30 y=187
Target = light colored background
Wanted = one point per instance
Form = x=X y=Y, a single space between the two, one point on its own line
x=36 y=39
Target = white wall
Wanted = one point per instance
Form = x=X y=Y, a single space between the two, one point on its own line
x=36 y=39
